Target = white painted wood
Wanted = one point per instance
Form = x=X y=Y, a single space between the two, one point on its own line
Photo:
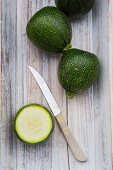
x=81 y=109
x=102 y=113
x=0 y=76
x=91 y=111
x=111 y=65
x=53 y=154
x=8 y=144
x=89 y=115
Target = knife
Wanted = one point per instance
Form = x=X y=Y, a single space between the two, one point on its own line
x=75 y=148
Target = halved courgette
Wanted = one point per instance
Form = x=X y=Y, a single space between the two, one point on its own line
x=33 y=123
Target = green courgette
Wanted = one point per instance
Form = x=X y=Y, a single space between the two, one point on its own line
x=77 y=71
x=50 y=30
x=33 y=124
x=75 y=8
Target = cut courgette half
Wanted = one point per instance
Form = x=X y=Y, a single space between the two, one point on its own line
x=33 y=124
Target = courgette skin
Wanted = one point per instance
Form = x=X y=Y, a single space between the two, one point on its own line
x=75 y=8
x=77 y=71
x=50 y=30
x=52 y=119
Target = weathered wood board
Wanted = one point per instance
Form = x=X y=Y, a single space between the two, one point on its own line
x=89 y=116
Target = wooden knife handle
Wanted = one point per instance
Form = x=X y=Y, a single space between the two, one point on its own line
x=75 y=148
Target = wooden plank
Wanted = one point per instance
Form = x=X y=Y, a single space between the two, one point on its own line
x=91 y=111
x=52 y=154
x=101 y=90
x=8 y=145
x=111 y=65
x=80 y=109
x=0 y=74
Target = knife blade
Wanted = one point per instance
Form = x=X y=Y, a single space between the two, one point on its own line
x=74 y=146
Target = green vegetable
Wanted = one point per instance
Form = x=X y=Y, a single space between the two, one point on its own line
x=75 y=7
x=77 y=71
x=50 y=30
x=33 y=124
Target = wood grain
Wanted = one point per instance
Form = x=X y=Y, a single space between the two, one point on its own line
x=111 y=67
x=0 y=75
x=89 y=115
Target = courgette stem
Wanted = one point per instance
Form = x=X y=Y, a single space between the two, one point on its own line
x=69 y=46
x=69 y=94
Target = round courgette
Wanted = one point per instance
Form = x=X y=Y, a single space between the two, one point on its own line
x=50 y=30
x=77 y=71
x=33 y=124
x=75 y=8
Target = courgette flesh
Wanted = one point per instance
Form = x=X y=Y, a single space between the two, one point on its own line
x=33 y=124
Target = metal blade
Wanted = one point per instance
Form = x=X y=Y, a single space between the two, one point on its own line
x=47 y=93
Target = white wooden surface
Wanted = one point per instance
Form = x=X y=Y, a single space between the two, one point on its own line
x=89 y=115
